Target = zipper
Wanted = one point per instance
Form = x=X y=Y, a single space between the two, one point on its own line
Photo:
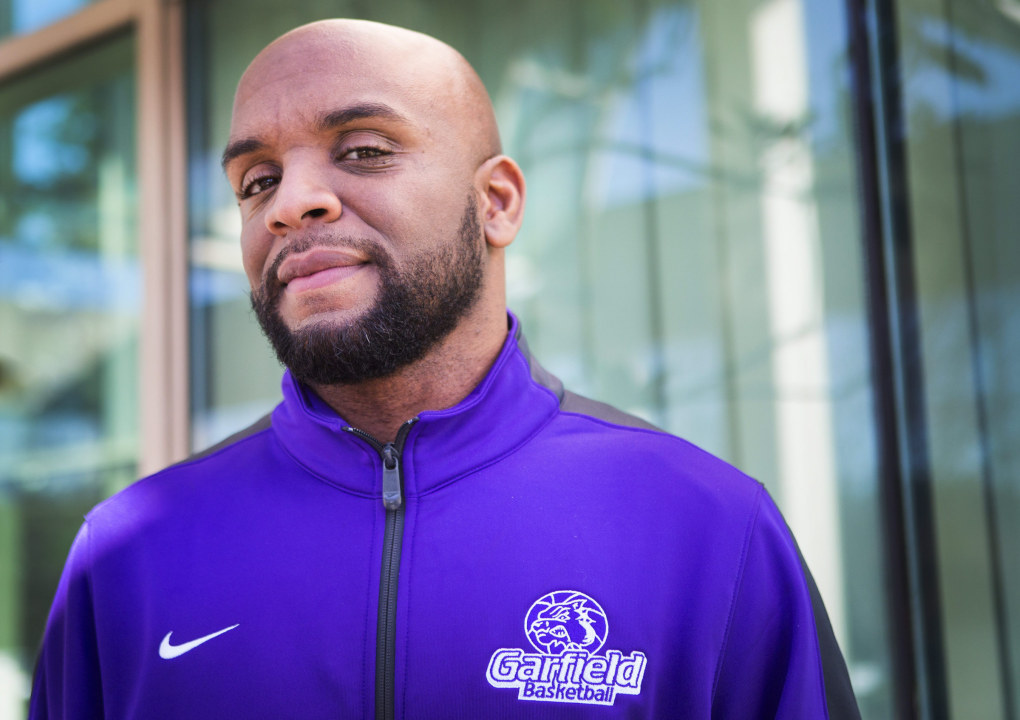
x=393 y=535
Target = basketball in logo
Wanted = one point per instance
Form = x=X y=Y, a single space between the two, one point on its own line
x=566 y=620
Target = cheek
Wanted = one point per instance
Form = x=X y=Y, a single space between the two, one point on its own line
x=417 y=198
x=254 y=253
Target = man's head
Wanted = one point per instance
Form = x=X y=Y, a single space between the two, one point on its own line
x=375 y=203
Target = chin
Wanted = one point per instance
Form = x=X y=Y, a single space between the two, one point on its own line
x=334 y=318
x=320 y=309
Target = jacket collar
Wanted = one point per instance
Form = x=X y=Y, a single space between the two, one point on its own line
x=513 y=402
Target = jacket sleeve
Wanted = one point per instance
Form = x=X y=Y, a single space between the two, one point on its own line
x=779 y=656
x=66 y=685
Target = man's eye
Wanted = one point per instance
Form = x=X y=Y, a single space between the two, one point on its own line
x=363 y=153
x=258 y=185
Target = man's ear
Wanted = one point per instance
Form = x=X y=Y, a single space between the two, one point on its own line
x=501 y=181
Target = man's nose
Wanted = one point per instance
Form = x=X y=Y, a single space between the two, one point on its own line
x=303 y=196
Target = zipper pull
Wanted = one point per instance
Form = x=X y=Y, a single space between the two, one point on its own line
x=391 y=495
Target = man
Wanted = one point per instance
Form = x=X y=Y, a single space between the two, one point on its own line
x=428 y=526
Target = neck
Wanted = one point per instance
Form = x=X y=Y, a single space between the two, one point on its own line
x=438 y=381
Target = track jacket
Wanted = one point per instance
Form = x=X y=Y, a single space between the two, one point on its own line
x=525 y=554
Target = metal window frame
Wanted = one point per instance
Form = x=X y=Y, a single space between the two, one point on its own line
x=162 y=210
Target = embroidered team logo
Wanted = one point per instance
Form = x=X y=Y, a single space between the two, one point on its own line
x=568 y=629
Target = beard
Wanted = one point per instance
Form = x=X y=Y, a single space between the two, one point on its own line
x=416 y=307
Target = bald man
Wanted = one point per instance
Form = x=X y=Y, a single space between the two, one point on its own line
x=428 y=525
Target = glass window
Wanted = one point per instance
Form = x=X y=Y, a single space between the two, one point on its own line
x=691 y=251
x=961 y=62
x=23 y=16
x=69 y=295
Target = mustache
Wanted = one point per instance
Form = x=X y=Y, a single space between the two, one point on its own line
x=373 y=251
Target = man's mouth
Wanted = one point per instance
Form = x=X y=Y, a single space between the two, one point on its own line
x=318 y=268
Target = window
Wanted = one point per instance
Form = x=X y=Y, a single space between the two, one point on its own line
x=22 y=16
x=69 y=306
x=961 y=110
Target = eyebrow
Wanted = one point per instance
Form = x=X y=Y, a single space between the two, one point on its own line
x=337 y=118
x=238 y=148
x=329 y=121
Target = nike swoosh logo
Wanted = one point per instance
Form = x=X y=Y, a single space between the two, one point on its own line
x=169 y=652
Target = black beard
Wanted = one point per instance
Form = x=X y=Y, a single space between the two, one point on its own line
x=414 y=310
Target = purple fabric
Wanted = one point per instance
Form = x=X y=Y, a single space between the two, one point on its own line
x=648 y=578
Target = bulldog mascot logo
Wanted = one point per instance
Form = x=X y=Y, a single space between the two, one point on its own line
x=568 y=629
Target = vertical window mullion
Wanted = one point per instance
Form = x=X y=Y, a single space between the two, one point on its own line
x=901 y=428
x=162 y=177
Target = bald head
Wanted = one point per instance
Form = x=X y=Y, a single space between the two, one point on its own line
x=367 y=169
x=424 y=72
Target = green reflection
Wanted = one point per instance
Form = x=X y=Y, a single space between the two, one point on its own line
x=961 y=64
x=23 y=16
x=69 y=296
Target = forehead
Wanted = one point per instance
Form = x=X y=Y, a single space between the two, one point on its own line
x=305 y=89
x=302 y=83
x=317 y=68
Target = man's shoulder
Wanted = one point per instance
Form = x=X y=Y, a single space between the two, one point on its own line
x=236 y=451
x=616 y=428
x=581 y=405
x=259 y=426
x=611 y=442
x=177 y=484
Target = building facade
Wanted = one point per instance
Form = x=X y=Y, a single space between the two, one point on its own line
x=785 y=230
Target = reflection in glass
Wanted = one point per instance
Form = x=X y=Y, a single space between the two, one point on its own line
x=69 y=294
x=691 y=250
x=962 y=100
x=23 y=16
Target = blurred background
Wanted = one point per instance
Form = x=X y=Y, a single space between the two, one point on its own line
x=785 y=230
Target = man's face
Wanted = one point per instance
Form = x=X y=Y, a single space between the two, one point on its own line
x=360 y=232
x=414 y=309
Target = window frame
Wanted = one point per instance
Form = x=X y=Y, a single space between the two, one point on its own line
x=161 y=169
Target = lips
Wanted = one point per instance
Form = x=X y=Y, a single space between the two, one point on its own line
x=318 y=267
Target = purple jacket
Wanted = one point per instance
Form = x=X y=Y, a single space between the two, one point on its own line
x=525 y=554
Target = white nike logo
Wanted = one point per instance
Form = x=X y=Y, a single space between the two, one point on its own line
x=169 y=652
